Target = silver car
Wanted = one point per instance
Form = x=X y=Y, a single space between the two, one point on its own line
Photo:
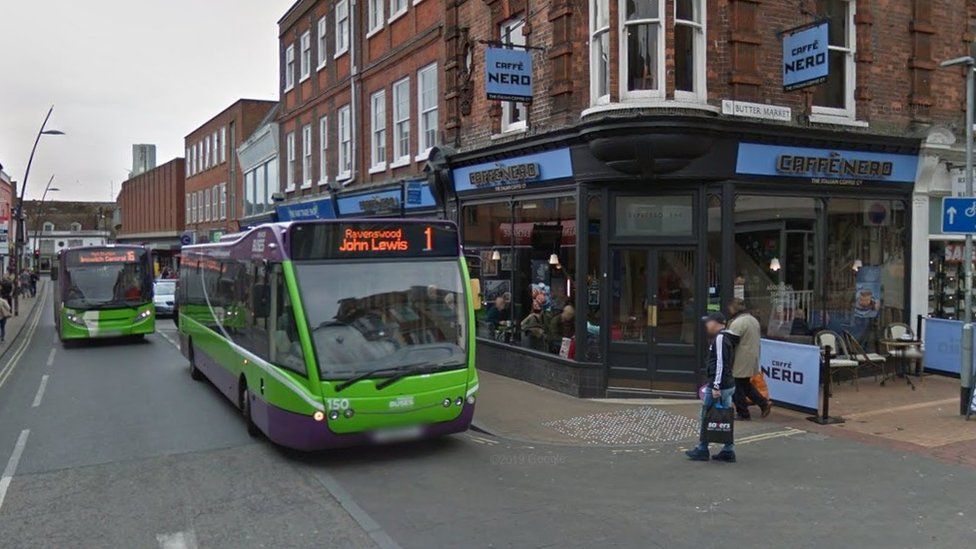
x=164 y=297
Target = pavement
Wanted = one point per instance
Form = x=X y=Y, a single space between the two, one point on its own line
x=16 y=323
x=113 y=445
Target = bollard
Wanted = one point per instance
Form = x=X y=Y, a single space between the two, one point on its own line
x=966 y=367
x=824 y=418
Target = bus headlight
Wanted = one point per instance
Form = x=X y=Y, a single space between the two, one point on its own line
x=447 y=402
x=471 y=399
x=334 y=415
x=318 y=415
x=144 y=315
x=349 y=413
x=73 y=318
x=458 y=401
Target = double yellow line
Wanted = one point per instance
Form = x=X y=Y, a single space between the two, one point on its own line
x=24 y=342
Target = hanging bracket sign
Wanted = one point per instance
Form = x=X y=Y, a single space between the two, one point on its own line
x=508 y=74
x=805 y=56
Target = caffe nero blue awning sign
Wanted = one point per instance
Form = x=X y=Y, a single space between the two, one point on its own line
x=805 y=56
x=508 y=74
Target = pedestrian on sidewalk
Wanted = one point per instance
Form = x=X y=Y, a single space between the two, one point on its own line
x=5 y=313
x=25 y=282
x=7 y=288
x=746 y=364
x=721 y=384
x=33 y=282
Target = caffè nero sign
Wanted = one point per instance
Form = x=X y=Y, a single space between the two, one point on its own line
x=834 y=166
x=828 y=166
x=500 y=175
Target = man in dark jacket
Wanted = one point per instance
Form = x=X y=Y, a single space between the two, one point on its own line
x=721 y=384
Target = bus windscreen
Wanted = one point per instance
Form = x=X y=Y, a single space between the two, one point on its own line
x=105 y=279
x=373 y=240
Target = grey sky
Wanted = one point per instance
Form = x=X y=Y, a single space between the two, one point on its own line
x=120 y=72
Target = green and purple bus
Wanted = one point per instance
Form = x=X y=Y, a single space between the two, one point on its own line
x=103 y=291
x=328 y=334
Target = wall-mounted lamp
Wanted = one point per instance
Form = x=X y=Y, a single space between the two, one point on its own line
x=496 y=256
x=554 y=259
x=856 y=266
x=774 y=264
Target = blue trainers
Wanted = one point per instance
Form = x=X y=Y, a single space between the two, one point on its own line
x=727 y=456
x=697 y=454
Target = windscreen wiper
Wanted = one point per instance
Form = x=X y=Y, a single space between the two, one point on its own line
x=420 y=367
x=364 y=375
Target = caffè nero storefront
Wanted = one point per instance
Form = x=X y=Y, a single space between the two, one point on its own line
x=597 y=254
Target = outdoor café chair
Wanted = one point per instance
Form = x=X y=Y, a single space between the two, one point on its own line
x=839 y=356
x=864 y=358
x=896 y=331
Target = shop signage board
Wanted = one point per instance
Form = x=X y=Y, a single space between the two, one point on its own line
x=382 y=202
x=516 y=173
x=941 y=340
x=805 y=56
x=303 y=211
x=958 y=215
x=746 y=109
x=827 y=166
x=508 y=74
x=792 y=373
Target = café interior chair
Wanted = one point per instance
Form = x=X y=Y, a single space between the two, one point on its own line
x=913 y=353
x=840 y=359
x=878 y=363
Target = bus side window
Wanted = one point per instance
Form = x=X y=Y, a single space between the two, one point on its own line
x=286 y=345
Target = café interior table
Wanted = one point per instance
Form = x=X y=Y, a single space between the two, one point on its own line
x=903 y=345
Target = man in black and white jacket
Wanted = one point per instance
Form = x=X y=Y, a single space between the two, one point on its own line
x=721 y=384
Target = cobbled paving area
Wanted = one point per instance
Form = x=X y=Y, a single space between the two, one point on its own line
x=635 y=426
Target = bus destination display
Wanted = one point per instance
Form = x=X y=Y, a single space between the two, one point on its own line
x=373 y=240
x=101 y=256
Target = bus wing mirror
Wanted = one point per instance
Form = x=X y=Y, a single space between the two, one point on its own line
x=261 y=301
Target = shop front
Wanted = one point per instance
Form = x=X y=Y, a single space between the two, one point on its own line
x=406 y=198
x=596 y=259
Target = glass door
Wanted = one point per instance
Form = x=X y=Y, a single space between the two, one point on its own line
x=654 y=322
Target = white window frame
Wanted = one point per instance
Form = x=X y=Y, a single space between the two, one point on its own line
x=307 y=156
x=223 y=144
x=206 y=204
x=622 y=24
x=344 y=169
x=215 y=143
x=423 y=146
x=699 y=93
x=401 y=122
x=206 y=153
x=341 y=28
x=323 y=150
x=223 y=201
x=848 y=113
x=186 y=163
x=193 y=208
x=595 y=34
x=290 y=67
x=306 y=60
x=397 y=13
x=377 y=116
x=322 y=40
x=504 y=35
x=290 y=164
x=374 y=16
x=187 y=205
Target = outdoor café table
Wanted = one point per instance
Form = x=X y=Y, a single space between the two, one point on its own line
x=904 y=345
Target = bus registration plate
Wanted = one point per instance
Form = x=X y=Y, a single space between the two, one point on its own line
x=397 y=435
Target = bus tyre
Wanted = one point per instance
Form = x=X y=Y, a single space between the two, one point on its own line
x=252 y=429
x=195 y=373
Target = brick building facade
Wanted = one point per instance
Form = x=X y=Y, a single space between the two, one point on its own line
x=152 y=210
x=662 y=171
x=362 y=91
x=214 y=193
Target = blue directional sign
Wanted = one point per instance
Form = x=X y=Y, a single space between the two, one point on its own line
x=959 y=215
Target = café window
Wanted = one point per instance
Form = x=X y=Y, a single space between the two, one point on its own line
x=523 y=255
x=656 y=216
x=808 y=264
x=835 y=97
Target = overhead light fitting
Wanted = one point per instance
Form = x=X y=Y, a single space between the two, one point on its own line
x=774 y=264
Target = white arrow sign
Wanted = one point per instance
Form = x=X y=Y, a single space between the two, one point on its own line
x=951 y=212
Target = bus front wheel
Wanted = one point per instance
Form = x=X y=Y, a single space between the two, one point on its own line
x=252 y=428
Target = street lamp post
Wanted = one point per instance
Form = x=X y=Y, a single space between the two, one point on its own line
x=21 y=232
x=966 y=368
x=37 y=214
